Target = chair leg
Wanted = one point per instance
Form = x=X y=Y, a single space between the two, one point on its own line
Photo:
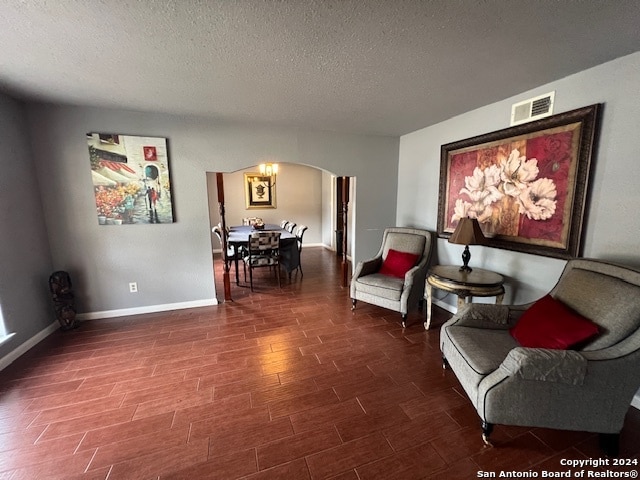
x=404 y=320
x=278 y=272
x=353 y=304
x=445 y=363
x=487 y=428
x=250 y=277
x=610 y=444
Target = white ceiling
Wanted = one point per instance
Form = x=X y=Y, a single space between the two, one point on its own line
x=380 y=67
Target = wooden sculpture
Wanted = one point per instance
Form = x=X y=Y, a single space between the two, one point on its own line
x=63 y=299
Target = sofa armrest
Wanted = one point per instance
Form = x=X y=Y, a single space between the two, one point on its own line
x=541 y=364
x=412 y=274
x=367 y=267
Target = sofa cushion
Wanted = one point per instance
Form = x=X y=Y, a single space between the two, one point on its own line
x=608 y=301
x=549 y=323
x=398 y=263
x=483 y=349
x=380 y=285
x=474 y=353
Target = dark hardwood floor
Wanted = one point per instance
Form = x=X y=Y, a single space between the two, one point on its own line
x=279 y=384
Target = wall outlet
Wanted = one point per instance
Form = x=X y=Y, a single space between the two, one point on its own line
x=133 y=287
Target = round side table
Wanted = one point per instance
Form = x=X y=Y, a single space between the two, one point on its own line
x=477 y=283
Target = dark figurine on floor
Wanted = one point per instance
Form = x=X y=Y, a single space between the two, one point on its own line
x=63 y=300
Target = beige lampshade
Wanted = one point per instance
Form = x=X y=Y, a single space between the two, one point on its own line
x=468 y=232
x=268 y=169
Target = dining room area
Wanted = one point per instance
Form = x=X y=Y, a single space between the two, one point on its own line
x=300 y=205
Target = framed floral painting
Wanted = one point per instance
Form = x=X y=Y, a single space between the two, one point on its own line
x=527 y=185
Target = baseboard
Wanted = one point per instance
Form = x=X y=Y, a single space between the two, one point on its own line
x=13 y=355
x=445 y=306
x=26 y=346
x=123 y=312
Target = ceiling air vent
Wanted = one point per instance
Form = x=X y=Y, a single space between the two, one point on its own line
x=532 y=109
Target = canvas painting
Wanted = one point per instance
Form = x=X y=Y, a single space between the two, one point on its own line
x=526 y=185
x=131 y=180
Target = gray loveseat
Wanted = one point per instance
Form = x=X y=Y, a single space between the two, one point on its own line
x=586 y=389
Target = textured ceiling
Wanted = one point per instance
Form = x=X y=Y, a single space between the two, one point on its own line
x=381 y=67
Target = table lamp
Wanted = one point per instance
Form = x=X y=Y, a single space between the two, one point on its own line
x=468 y=232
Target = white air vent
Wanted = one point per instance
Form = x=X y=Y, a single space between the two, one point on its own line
x=532 y=109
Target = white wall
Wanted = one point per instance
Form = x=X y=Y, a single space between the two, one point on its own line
x=612 y=222
x=172 y=262
x=25 y=303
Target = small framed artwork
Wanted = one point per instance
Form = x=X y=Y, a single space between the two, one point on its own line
x=260 y=191
x=526 y=185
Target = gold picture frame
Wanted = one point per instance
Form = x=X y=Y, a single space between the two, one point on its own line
x=260 y=191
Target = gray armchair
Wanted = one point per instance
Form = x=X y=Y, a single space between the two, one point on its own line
x=589 y=388
x=397 y=294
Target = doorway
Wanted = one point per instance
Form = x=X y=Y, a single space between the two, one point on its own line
x=305 y=195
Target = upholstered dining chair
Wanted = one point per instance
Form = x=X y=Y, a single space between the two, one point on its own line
x=284 y=224
x=290 y=227
x=395 y=277
x=263 y=251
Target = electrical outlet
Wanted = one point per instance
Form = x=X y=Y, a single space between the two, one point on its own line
x=133 y=287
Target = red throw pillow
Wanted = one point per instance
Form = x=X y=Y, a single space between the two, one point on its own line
x=549 y=323
x=398 y=263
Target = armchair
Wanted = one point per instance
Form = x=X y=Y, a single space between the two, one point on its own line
x=398 y=293
x=586 y=388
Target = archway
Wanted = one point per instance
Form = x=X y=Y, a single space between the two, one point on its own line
x=305 y=195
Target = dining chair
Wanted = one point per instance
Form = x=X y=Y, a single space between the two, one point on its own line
x=230 y=256
x=290 y=227
x=299 y=234
x=263 y=251
x=284 y=224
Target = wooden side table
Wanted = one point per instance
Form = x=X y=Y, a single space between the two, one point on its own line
x=477 y=283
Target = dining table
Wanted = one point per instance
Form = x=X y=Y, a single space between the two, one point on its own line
x=238 y=239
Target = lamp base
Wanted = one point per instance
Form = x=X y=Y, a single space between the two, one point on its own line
x=466 y=256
